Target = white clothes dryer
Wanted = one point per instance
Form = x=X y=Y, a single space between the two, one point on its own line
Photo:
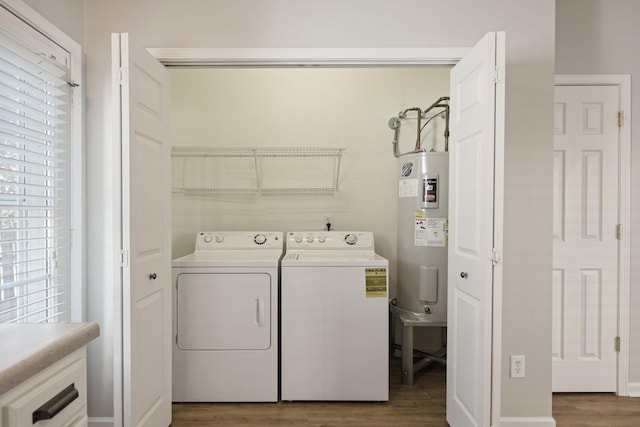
x=334 y=318
x=225 y=320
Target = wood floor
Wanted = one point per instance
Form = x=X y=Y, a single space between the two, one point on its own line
x=595 y=410
x=422 y=404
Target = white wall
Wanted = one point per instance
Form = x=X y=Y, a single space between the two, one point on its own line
x=360 y=23
x=601 y=37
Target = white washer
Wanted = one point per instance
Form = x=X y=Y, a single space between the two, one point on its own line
x=225 y=320
x=334 y=318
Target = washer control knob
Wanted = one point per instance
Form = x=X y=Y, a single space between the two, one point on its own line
x=322 y=238
x=219 y=239
x=298 y=239
x=207 y=238
x=260 y=239
x=310 y=238
x=351 y=239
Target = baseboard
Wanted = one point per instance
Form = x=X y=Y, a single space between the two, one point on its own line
x=101 y=422
x=527 y=422
x=633 y=389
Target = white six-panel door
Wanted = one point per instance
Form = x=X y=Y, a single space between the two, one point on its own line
x=146 y=240
x=585 y=250
x=472 y=197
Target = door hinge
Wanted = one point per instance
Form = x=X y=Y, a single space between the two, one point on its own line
x=495 y=257
x=124 y=258
x=619 y=231
x=617 y=344
x=122 y=76
x=620 y=118
x=497 y=76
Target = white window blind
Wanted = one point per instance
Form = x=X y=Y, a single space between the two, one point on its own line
x=34 y=181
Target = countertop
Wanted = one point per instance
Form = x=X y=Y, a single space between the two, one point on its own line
x=28 y=348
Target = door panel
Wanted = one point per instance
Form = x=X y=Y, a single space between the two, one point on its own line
x=219 y=311
x=471 y=230
x=146 y=276
x=585 y=254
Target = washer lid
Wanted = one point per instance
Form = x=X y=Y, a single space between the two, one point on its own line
x=338 y=258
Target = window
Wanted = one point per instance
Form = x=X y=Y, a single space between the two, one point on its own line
x=35 y=175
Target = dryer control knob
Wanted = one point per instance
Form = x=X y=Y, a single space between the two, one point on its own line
x=260 y=239
x=322 y=238
x=208 y=238
x=219 y=239
x=351 y=239
x=298 y=239
x=310 y=238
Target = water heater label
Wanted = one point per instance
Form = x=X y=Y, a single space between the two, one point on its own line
x=430 y=231
x=376 y=282
x=408 y=188
x=430 y=192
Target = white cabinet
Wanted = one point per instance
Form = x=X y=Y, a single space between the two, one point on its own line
x=54 y=397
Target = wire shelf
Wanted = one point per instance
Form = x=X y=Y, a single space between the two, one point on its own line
x=212 y=191
x=298 y=191
x=264 y=170
x=195 y=151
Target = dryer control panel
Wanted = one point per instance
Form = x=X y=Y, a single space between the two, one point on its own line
x=232 y=240
x=330 y=240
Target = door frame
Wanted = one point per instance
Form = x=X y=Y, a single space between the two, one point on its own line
x=353 y=57
x=623 y=82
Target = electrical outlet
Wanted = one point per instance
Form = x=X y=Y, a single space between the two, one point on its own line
x=517 y=366
x=328 y=222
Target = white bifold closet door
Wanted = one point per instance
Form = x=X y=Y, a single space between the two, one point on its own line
x=141 y=96
x=475 y=228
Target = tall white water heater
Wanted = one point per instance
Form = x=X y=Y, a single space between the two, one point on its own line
x=422 y=234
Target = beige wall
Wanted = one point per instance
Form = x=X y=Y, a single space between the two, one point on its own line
x=67 y=15
x=299 y=107
x=601 y=37
x=360 y=23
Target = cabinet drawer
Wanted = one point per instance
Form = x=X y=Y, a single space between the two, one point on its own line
x=52 y=390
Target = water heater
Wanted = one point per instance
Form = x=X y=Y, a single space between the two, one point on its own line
x=422 y=234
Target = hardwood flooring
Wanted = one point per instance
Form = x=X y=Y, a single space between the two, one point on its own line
x=420 y=405
x=595 y=410
x=423 y=404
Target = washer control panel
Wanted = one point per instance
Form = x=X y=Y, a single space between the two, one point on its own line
x=228 y=240
x=333 y=240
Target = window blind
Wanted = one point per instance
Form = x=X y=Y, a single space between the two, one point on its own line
x=34 y=184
